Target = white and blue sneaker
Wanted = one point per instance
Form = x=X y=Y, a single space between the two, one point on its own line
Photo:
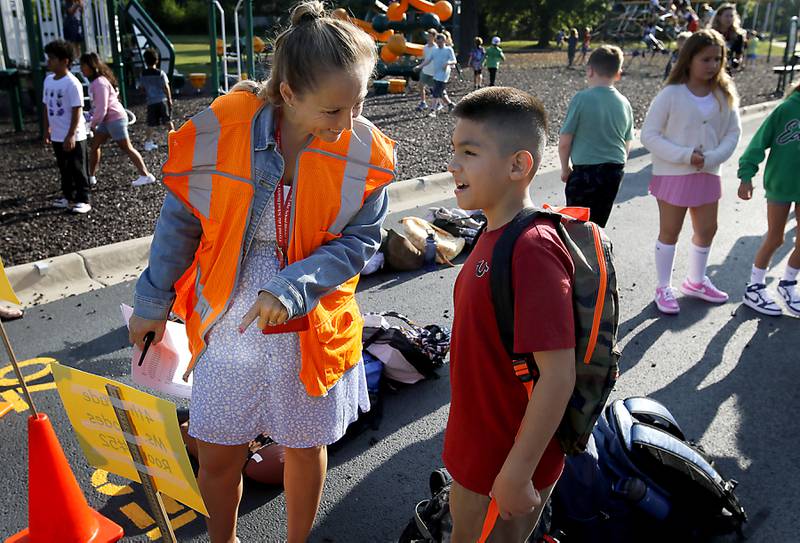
x=788 y=291
x=757 y=298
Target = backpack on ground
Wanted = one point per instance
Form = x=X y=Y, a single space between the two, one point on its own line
x=432 y=522
x=596 y=308
x=640 y=479
x=409 y=352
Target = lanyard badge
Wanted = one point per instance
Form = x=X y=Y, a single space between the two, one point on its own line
x=283 y=213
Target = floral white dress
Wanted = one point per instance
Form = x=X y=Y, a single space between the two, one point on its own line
x=247 y=384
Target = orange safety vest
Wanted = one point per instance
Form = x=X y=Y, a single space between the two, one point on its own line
x=211 y=170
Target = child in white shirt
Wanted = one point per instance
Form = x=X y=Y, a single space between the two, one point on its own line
x=691 y=128
x=65 y=128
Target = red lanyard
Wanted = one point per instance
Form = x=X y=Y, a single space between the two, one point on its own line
x=283 y=212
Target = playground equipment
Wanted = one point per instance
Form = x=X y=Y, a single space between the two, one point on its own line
x=387 y=30
x=219 y=44
x=27 y=25
x=791 y=58
x=627 y=20
x=147 y=34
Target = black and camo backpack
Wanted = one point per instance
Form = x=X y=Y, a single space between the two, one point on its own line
x=596 y=308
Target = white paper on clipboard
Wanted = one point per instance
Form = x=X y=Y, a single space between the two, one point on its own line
x=165 y=363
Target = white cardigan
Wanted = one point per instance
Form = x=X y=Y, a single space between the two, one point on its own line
x=674 y=127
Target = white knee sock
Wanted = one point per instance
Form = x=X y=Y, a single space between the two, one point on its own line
x=665 y=256
x=757 y=275
x=790 y=274
x=698 y=260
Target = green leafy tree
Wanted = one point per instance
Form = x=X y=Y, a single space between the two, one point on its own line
x=526 y=19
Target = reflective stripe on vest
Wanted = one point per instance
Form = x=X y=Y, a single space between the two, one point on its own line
x=332 y=182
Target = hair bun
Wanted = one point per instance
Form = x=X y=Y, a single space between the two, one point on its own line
x=307 y=12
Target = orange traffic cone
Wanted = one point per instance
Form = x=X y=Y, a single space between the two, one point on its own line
x=57 y=509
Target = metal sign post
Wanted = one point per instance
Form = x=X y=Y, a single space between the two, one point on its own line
x=131 y=438
x=18 y=372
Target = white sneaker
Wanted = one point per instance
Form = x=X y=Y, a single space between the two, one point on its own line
x=92 y=180
x=432 y=114
x=81 y=208
x=144 y=180
x=150 y=146
x=61 y=203
x=757 y=298
x=789 y=294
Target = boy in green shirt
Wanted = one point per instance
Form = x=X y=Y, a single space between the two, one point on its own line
x=596 y=135
x=780 y=133
x=494 y=56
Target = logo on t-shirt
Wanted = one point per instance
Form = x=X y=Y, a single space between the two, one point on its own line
x=790 y=133
x=482 y=268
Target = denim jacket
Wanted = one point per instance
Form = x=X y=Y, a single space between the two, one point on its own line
x=298 y=286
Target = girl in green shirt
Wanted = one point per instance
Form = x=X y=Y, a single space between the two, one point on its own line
x=780 y=133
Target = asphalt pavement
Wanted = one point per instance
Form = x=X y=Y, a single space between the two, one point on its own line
x=727 y=374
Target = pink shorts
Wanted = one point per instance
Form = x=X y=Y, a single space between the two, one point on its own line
x=691 y=190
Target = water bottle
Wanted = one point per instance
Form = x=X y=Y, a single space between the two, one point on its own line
x=430 y=252
x=648 y=500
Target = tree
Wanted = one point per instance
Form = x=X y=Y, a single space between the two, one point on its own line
x=467 y=27
x=525 y=19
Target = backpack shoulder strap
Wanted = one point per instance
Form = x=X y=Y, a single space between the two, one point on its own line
x=502 y=286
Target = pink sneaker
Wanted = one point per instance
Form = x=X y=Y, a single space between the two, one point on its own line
x=666 y=302
x=705 y=291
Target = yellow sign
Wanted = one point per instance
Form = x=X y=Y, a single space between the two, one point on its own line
x=6 y=292
x=91 y=412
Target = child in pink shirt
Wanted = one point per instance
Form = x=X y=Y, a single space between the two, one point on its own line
x=109 y=119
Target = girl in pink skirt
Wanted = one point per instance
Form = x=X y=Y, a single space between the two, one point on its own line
x=691 y=128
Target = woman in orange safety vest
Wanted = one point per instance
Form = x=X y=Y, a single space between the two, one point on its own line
x=276 y=195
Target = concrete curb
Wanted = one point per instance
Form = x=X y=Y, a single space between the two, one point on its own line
x=75 y=273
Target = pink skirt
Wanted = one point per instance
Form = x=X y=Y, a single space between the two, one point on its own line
x=691 y=190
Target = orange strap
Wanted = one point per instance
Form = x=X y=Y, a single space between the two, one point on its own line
x=493 y=512
x=579 y=213
x=601 y=291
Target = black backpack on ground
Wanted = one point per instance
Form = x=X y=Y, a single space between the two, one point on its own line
x=432 y=522
x=640 y=479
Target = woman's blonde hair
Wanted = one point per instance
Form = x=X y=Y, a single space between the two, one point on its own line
x=715 y=22
x=693 y=46
x=314 y=46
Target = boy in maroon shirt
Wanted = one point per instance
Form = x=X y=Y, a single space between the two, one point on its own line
x=498 y=142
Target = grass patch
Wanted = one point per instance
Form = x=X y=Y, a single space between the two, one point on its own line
x=191 y=53
x=517 y=45
x=777 y=49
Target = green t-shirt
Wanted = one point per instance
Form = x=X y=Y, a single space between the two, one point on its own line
x=600 y=120
x=494 y=55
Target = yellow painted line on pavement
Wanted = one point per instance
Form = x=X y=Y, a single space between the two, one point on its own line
x=177 y=522
x=7 y=371
x=101 y=484
x=17 y=403
x=171 y=505
x=137 y=515
x=39 y=388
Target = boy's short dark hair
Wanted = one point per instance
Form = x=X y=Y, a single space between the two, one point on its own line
x=150 y=56
x=606 y=60
x=60 y=49
x=516 y=117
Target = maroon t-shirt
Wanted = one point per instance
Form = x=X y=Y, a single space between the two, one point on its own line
x=488 y=401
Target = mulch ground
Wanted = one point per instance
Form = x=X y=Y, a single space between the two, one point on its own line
x=31 y=230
